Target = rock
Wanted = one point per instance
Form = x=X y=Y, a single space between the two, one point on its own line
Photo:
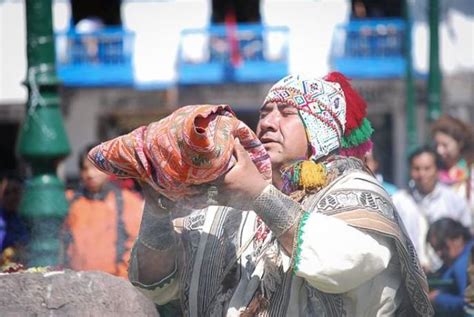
x=70 y=293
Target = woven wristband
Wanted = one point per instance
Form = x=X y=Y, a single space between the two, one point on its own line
x=277 y=210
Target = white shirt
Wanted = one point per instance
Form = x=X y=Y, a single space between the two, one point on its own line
x=419 y=211
x=337 y=259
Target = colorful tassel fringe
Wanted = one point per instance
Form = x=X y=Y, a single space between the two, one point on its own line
x=313 y=175
x=358 y=136
x=357 y=151
x=305 y=175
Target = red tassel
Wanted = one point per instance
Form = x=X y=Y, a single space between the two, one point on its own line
x=356 y=107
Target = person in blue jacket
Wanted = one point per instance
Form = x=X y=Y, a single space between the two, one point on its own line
x=372 y=160
x=3 y=231
x=452 y=242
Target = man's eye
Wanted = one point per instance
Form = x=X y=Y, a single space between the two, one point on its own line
x=290 y=112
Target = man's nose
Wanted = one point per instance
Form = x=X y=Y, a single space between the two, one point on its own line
x=421 y=175
x=269 y=122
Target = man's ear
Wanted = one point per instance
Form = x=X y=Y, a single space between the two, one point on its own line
x=309 y=151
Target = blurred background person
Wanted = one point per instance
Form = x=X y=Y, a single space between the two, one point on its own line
x=427 y=200
x=359 y=10
x=87 y=29
x=102 y=223
x=469 y=292
x=16 y=231
x=452 y=242
x=128 y=184
x=373 y=163
x=3 y=231
x=454 y=141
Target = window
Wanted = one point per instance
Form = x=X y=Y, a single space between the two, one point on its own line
x=245 y=11
x=366 y=9
x=107 y=11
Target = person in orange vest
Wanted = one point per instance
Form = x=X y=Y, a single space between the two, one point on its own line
x=102 y=223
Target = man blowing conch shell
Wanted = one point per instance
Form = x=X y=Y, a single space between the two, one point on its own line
x=320 y=238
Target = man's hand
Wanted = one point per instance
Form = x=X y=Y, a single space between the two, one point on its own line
x=433 y=294
x=243 y=183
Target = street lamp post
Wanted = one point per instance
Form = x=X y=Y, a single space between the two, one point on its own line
x=42 y=140
x=434 y=78
x=410 y=109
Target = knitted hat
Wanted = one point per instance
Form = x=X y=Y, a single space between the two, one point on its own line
x=333 y=113
x=334 y=116
x=192 y=146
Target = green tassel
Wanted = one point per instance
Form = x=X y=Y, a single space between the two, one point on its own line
x=296 y=175
x=358 y=136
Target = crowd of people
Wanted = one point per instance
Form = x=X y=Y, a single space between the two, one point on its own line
x=315 y=238
x=98 y=231
x=437 y=210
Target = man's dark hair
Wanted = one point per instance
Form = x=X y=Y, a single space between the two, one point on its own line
x=422 y=150
x=82 y=157
x=447 y=228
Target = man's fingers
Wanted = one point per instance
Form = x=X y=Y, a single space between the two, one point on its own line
x=239 y=151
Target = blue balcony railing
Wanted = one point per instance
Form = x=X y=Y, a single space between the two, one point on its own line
x=372 y=48
x=248 y=53
x=102 y=58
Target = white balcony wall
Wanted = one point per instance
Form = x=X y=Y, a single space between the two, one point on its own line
x=311 y=24
x=456 y=36
x=158 y=24
x=12 y=52
x=13 y=61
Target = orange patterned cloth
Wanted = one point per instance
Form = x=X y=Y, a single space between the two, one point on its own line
x=192 y=146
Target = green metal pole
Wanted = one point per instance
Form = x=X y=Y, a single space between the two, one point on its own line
x=434 y=79
x=42 y=140
x=410 y=109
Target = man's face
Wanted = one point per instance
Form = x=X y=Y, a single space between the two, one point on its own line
x=92 y=178
x=282 y=133
x=11 y=195
x=424 y=172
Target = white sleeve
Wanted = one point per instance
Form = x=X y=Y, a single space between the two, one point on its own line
x=409 y=215
x=335 y=257
x=464 y=213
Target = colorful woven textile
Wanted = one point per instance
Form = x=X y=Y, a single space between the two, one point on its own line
x=192 y=146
